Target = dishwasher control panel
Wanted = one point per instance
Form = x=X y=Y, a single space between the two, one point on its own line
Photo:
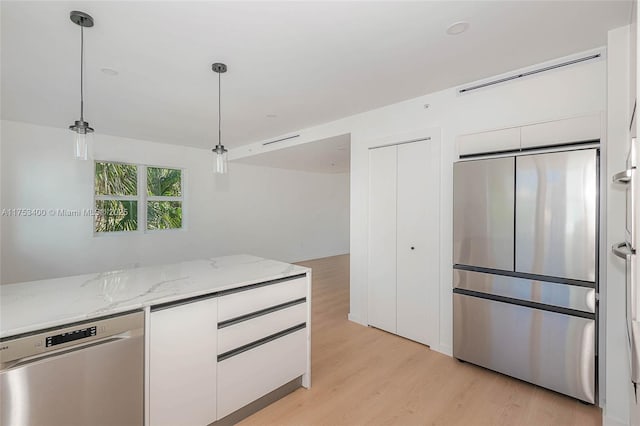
x=70 y=336
x=33 y=344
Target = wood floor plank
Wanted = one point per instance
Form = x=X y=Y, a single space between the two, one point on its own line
x=365 y=376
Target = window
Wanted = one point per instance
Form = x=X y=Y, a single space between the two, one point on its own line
x=164 y=198
x=122 y=207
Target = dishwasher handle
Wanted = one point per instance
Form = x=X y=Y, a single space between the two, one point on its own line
x=21 y=362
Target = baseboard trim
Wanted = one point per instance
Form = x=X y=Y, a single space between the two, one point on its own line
x=259 y=403
x=610 y=421
x=356 y=319
x=443 y=349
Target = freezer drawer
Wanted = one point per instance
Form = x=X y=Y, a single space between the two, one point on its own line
x=556 y=202
x=548 y=293
x=549 y=349
x=483 y=206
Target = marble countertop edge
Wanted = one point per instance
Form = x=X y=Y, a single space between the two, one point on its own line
x=39 y=305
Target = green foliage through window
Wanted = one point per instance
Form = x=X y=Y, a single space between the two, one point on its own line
x=116 y=179
x=164 y=182
x=118 y=198
x=164 y=214
x=116 y=215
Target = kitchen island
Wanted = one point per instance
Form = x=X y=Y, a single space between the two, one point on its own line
x=216 y=330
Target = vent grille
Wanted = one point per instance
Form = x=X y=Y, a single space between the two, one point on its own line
x=528 y=73
x=280 y=140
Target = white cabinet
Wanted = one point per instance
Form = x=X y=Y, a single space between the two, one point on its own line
x=403 y=289
x=251 y=374
x=214 y=356
x=585 y=128
x=577 y=129
x=492 y=141
x=182 y=364
x=263 y=341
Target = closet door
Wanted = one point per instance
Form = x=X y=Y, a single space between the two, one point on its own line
x=382 y=237
x=418 y=241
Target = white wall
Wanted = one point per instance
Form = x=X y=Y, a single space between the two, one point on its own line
x=280 y=214
x=575 y=90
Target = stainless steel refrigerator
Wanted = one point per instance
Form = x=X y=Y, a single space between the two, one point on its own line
x=525 y=251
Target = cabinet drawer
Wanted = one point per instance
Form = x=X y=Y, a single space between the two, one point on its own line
x=250 y=375
x=256 y=299
x=235 y=335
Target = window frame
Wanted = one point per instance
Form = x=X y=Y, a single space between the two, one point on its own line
x=142 y=198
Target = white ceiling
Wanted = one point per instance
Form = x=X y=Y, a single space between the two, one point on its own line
x=330 y=155
x=306 y=62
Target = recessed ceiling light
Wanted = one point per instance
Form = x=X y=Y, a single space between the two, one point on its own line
x=109 y=71
x=457 y=28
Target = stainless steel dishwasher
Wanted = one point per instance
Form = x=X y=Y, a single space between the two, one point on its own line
x=88 y=373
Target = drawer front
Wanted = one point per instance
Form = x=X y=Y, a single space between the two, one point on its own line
x=246 y=302
x=552 y=350
x=250 y=375
x=239 y=334
x=560 y=295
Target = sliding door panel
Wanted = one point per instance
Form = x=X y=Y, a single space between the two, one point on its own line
x=418 y=242
x=382 y=238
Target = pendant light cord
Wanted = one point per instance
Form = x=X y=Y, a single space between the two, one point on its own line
x=219 y=112
x=81 y=73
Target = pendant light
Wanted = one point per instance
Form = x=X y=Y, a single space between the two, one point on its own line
x=220 y=166
x=83 y=133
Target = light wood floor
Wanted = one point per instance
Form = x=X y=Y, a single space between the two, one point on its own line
x=364 y=376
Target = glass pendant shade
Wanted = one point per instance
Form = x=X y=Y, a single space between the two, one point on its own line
x=82 y=140
x=83 y=143
x=220 y=166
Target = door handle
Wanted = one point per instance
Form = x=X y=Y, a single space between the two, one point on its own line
x=622 y=250
x=21 y=362
x=623 y=176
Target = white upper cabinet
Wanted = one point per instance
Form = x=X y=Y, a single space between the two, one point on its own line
x=584 y=128
x=559 y=132
x=487 y=142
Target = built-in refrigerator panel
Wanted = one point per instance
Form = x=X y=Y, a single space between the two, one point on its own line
x=483 y=208
x=556 y=202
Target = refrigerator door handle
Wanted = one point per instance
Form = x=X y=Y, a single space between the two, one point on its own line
x=622 y=250
x=622 y=177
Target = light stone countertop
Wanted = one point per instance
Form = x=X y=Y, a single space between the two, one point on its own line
x=36 y=305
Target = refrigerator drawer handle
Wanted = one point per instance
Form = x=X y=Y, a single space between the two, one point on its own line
x=622 y=177
x=622 y=250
